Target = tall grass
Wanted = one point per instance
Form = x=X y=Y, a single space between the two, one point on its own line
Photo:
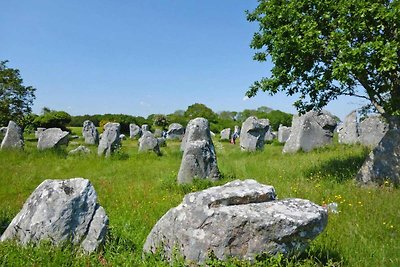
x=136 y=189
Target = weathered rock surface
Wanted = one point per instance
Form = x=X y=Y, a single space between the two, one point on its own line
x=237 y=130
x=13 y=138
x=52 y=138
x=283 y=133
x=175 y=131
x=122 y=137
x=134 y=131
x=80 y=150
x=252 y=134
x=226 y=134
x=309 y=131
x=110 y=140
x=145 y=127
x=199 y=158
x=61 y=211
x=348 y=131
x=90 y=133
x=383 y=163
x=148 y=142
x=269 y=135
x=240 y=219
x=39 y=131
x=371 y=130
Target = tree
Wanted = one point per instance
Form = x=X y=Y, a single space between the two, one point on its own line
x=200 y=110
x=53 y=119
x=325 y=49
x=16 y=100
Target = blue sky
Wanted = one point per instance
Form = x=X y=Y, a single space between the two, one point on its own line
x=138 y=57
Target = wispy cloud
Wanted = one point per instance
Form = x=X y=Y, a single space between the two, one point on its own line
x=245 y=98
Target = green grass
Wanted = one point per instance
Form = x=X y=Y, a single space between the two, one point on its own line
x=136 y=189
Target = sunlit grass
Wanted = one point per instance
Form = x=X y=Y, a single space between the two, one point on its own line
x=136 y=189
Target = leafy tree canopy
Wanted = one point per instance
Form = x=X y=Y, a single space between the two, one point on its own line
x=16 y=100
x=324 y=49
x=200 y=110
x=53 y=118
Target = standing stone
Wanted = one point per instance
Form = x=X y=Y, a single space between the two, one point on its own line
x=52 y=138
x=110 y=140
x=237 y=130
x=90 y=133
x=383 y=163
x=253 y=133
x=122 y=137
x=199 y=158
x=134 y=131
x=226 y=134
x=269 y=135
x=13 y=138
x=283 y=133
x=175 y=131
x=240 y=219
x=61 y=211
x=149 y=142
x=372 y=129
x=145 y=127
x=39 y=131
x=348 y=131
x=311 y=130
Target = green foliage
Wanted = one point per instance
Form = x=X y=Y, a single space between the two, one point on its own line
x=16 y=99
x=159 y=120
x=200 y=110
x=324 y=49
x=53 y=118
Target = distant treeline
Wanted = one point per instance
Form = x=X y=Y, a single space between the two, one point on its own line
x=218 y=120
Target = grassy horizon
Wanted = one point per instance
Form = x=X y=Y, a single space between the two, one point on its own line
x=136 y=189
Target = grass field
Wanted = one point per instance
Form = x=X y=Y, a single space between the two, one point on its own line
x=136 y=189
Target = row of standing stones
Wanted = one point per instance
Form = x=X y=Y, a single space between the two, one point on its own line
x=239 y=219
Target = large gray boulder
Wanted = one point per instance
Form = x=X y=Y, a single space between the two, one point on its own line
x=348 y=131
x=383 y=163
x=240 y=219
x=252 y=134
x=149 y=143
x=283 y=133
x=175 y=131
x=134 y=131
x=52 y=138
x=199 y=159
x=90 y=133
x=110 y=140
x=13 y=138
x=145 y=127
x=371 y=130
x=60 y=211
x=226 y=134
x=311 y=130
x=39 y=131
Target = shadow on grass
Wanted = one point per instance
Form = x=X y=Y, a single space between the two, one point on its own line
x=4 y=222
x=337 y=169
